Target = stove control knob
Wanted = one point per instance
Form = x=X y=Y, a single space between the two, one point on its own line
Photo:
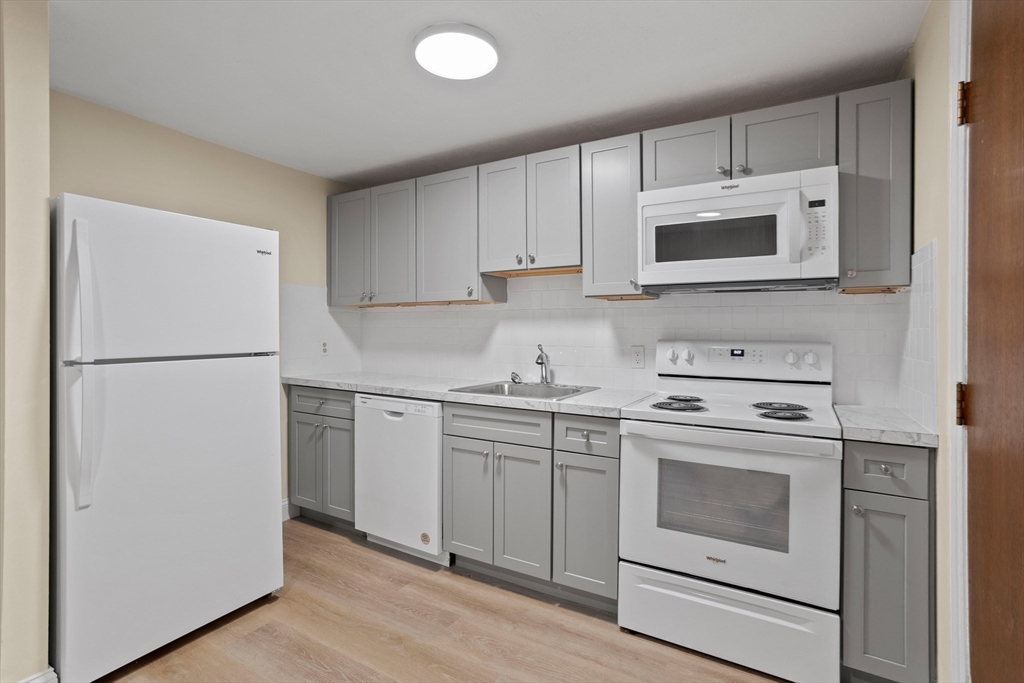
x=811 y=358
x=687 y=355
x=792 y=358
x=672 y=355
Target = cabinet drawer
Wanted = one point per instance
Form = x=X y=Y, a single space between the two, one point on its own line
x=328 y=402
x=505 y=425
x=589 y=435
x=884 y=468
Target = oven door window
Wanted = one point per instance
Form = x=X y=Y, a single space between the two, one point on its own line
x=725 y=238
x=735 y=505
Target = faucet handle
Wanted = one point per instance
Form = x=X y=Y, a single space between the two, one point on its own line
x=540 y=347
x=516 y=379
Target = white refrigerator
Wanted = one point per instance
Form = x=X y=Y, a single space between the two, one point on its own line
x=166 y=470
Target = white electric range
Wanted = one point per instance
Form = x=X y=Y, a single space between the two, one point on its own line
x=730 y=506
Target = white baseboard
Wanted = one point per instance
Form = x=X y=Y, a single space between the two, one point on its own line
x=288 y=510
x=48 y=676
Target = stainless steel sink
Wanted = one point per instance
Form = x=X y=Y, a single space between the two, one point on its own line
x=554 y=392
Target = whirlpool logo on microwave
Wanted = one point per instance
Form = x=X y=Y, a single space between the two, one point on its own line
x=263 y=252
x=716 y=560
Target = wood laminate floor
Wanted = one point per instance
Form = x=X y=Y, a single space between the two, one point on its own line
x=352 y=612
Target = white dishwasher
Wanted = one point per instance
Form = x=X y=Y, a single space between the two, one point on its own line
x=398 y=474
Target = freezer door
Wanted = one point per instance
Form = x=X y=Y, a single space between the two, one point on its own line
x=140 y=283
x=184 y=521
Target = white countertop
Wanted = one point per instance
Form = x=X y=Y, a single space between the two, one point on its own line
x=884 y=425
x=599 y=403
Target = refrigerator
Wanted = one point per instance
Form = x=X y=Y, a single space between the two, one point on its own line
x=166 y=477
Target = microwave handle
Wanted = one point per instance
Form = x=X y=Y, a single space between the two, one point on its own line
x=797 y=230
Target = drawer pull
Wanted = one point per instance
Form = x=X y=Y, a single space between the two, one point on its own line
x=886 y=470
x=586 y=435
x=858 y=510
x=322 y=401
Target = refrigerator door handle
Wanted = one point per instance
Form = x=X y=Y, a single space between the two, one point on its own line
x=83 y=253
x=85 y=465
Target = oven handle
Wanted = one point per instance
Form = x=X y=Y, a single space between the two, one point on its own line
x=773 y=443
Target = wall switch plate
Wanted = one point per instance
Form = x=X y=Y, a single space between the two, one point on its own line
x=636 y=356
x=323 y=348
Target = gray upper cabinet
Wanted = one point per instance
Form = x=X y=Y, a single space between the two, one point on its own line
x=446 y=236
x=337 y=444
x=886 y=587
x=686 y=154
x=304 y=474
x=503 y=215
x=791 y=137
x=348 y=248
x=586 y=523
x=468 y=498
x=393 y=243
x=875 y=157
x=553 y=208
x=522 y=509
x=610 y=177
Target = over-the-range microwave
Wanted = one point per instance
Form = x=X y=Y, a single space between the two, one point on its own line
x=773 y=232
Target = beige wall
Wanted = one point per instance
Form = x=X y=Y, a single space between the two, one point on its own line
x=24 y=338
x=928 y=65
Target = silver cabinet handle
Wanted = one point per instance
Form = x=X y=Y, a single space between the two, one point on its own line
x=487 y=454
x=851 y=273
x=885 y=469
x=322 y=401
x=632 y=282
x=560 y=465
x=519 y=259
x=858 y=510
x=533 y=259
x=585 y=434
x=362 y=297
x=722 y=170
x=740 y=168
x=469 y=291
x=497 y=455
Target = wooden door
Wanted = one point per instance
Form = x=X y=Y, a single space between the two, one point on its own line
x=503 y=215
x=995 y=330
x=348 y=258
x=468 y=498
x=790 y=137
x=304 y=471
x=337 y=448
x=687 y=154
x=393 y=243
x=553 y=208
x=522 y=509
x=446 y=237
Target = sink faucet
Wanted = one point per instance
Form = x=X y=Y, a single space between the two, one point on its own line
x=542 y=361
x=516 y=379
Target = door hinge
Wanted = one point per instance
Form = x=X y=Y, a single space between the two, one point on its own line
x=961 y=403
x=962 y=92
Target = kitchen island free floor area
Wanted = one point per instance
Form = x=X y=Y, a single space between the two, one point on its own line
x=352 y=612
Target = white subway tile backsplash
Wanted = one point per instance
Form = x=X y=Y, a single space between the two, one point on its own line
x=918 y=393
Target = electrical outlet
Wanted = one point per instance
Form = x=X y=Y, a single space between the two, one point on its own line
x=323 y=348
x=637 y=356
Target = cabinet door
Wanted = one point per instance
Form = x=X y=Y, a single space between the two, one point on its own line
x=503 y=215
x=304 y=466
x=610 y=174
x=875 y=137
x=522 y=509
x=686 y=154
x=446 y=236
x=553 y=208
x=393 y=243
x=337 y=447
x=585 y=538
x=886 y=586
x=468 y=498
x=348 y=259
x=791 y=137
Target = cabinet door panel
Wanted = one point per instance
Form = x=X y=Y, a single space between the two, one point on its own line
x=686 y=154
x=503 y=215
x=610 y=177
x=468 y=498
x=522 y=509
x=791 y=137
x=446 y=237
x=393 y=242
x=553 y=208
x=348 y=258
x=874 y=186
x=304 y=467
x=585 y=540
x=886 y=586
x=337 y=443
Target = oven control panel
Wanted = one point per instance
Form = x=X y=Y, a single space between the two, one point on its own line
x=783 y=361
x=733 y=354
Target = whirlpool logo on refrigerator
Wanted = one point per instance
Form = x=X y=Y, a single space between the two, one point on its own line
x=263 y=252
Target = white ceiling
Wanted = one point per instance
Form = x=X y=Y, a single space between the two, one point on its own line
x=332 y=87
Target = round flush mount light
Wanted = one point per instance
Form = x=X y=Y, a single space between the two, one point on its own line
x=457 y=51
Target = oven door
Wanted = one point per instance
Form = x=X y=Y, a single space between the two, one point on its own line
x=745 y=237
x=761 y=511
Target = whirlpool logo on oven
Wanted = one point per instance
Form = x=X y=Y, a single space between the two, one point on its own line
x=263 y=252
x=716 y=560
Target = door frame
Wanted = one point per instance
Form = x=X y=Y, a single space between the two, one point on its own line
x=959 y=70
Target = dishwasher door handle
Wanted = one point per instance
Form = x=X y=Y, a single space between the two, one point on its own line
x=393 y=415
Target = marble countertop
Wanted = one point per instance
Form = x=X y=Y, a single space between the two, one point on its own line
x=598 y=403
x=884 y=425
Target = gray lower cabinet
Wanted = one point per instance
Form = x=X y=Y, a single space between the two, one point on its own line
x=321 y=452
x=875 y=175
x=553 y=208
x=348 y=258
x=522 y=509
x=337 y=453
x=468 y=498
x=790 y=137
x=686 y=154
x=610 y=178
x=393 y=243
x=585 y=538
x=304 y=478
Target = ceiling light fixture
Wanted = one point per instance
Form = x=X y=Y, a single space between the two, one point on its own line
x=708 y=214
x=457 y=51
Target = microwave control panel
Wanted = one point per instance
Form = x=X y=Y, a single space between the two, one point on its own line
x=817 y=216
